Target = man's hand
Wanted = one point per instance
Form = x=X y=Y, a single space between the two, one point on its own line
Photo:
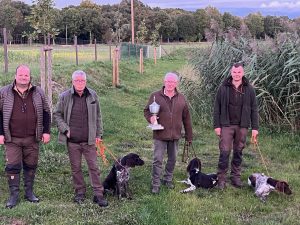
x=153 y=119
x=2 y=139
x=254 y=135
x=46 y=138
x=68 y=134
x=98 y=140
x=218 y=131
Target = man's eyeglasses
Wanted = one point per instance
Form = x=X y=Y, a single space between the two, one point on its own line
x=79 y=81
x=23 y=108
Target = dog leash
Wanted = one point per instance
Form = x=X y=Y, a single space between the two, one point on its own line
x=186 y=151
x=101 y=152
x=256 y=147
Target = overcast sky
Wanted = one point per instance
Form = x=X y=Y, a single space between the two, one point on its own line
x=289 y=8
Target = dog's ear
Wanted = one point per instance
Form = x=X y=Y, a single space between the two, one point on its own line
x=283 y=187
x=194 y=163
x=252 y=180
x=272 y=182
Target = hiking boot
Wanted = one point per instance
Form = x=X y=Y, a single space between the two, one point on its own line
x=102 y=202
x=155 y=190
x=168 y=184
x=79 y=198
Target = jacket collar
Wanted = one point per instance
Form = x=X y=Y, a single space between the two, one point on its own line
x=30 y=87
x=162 y=91
x=86 y=91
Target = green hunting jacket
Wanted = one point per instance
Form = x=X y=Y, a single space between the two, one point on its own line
x=249 y=114
x=62 y=115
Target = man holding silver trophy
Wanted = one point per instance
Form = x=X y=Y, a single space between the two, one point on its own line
x=167 y=110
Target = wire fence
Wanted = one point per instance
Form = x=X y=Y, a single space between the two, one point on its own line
x=73 y=51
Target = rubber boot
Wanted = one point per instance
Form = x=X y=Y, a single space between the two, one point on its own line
x=13 y=183
x=29 y=176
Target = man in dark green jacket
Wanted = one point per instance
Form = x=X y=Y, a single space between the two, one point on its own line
x=173 y=113
x=79 y=122
x=235 y=111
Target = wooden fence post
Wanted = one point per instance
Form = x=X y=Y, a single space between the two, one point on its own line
x=5 y=50
x=154 y=55
x=49 y=80
x=109 y=52
x=46 y=70
x=95 y=49
x=141 y=60
x=159 y=56
x=114 y=69
x=117 y=66
x=115 y=79
x=76 y=49
x=43 y=69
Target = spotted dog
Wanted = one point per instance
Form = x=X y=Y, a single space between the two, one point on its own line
x=198 y=179
x=264 y=185
x=118 y=177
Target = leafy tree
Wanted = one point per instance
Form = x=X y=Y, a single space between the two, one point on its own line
x=186 y=27
x=255 y=23
x=90 y=20
x=230 y=21
x=71 y=20
x=142 y=32
x=202 y=22
x=155 y=35
x=10 y=16
x=272 y=26
x=170 y=29
x=42 y=17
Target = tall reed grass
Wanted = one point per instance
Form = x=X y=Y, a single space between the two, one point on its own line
x=272 y=66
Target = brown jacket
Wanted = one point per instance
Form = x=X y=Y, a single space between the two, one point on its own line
x=172 y=114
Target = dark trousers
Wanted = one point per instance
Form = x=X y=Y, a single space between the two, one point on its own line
x=160 y=147
x=21 y=152
x=76 y=150
x=232 y=137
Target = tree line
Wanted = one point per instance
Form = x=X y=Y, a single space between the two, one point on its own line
x=112 y=23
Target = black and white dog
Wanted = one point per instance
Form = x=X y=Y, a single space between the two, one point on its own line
x=198 y=179
x=118 y=177
x=264 y=185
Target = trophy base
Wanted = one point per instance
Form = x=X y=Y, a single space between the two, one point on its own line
x=155 y=127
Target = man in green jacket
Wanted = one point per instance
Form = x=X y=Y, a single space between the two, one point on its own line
x=79 y=122
x=235 y=110
x=173 y=113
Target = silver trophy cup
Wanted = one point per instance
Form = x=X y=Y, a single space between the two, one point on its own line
x=154 y=109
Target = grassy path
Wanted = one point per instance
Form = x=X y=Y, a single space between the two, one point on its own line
x=125 y=131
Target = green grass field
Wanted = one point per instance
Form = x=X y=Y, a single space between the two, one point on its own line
x=125 y=131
